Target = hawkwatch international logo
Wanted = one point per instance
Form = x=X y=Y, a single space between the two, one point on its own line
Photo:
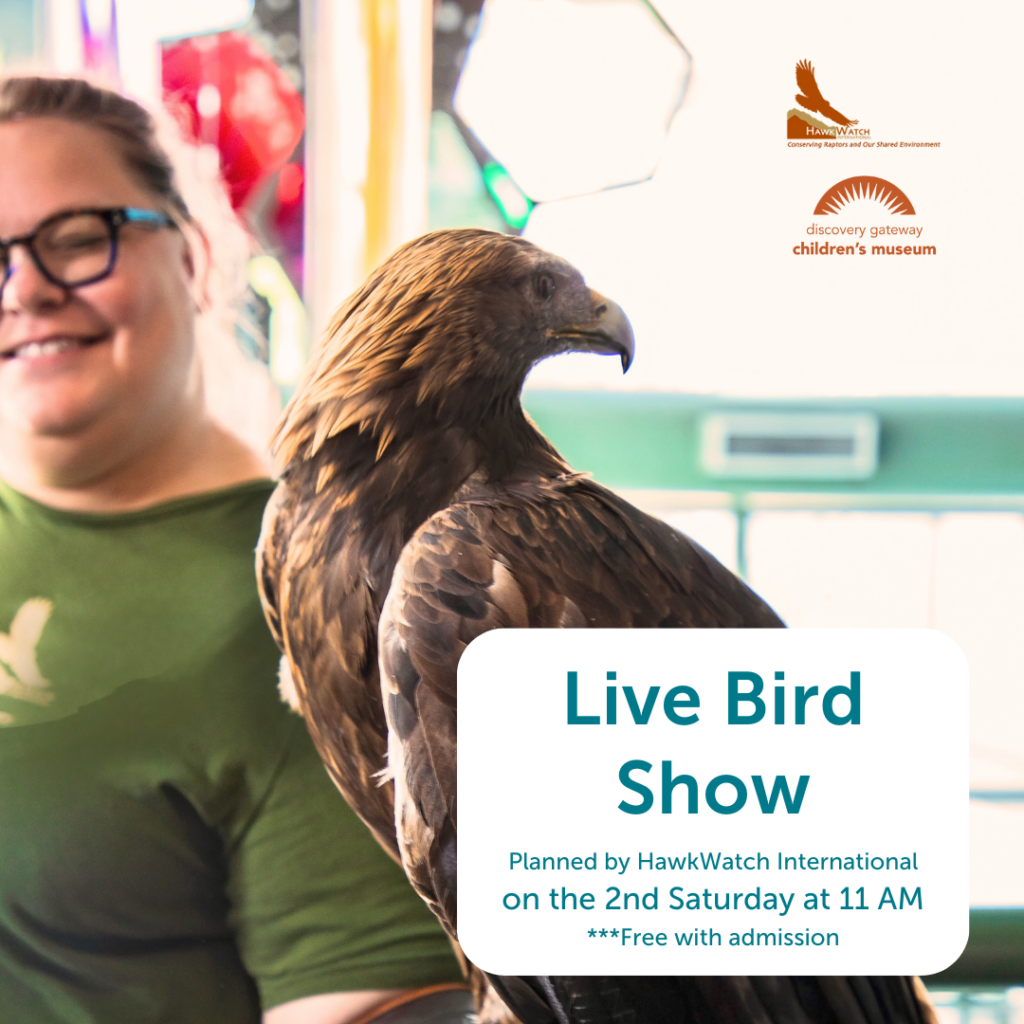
x=800 y=124
x=818 y=124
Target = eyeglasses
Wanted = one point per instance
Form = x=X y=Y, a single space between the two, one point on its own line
x=77 y=247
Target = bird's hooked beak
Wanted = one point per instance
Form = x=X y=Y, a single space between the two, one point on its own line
x=607 y=333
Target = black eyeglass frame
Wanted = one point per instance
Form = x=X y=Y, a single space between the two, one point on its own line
x=115 y=219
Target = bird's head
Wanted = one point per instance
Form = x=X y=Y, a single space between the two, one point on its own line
x=541 y=307
x=447 y=328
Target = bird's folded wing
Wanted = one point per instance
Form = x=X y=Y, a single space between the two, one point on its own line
x=567 y=553
x=561 y=552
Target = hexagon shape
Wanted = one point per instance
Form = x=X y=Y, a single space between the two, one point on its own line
x=573 y=96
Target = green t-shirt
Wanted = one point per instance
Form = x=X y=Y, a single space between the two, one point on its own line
x=171 y=848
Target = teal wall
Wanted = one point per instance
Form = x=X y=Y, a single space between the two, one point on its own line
x=928 y=446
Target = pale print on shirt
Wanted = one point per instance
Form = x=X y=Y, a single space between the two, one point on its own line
x=20 y=677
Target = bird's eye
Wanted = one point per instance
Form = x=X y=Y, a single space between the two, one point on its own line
x=545 y=286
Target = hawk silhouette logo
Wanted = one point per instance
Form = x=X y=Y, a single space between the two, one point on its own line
x=810 y=95
x=20 y=677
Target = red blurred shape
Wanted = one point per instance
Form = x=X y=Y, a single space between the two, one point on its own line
x=260 y=118
x=289 y=184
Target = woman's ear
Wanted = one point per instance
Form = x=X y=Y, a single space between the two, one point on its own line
x=196 y=254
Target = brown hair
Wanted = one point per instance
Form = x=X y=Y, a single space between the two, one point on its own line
x=80 y=102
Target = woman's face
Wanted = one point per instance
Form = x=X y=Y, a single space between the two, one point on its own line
x=111 y=361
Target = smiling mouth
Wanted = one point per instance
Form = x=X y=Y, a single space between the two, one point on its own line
x=49 y=347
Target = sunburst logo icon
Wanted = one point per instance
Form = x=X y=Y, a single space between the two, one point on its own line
x=889 y=197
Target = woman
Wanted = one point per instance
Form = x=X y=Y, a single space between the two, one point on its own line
x=170 y=846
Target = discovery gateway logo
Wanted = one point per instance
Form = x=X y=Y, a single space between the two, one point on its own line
x=863 y=209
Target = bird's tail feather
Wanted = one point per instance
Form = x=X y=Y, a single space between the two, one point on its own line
x=717 y=1000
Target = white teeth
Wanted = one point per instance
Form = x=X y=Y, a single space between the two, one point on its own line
x=50 y=347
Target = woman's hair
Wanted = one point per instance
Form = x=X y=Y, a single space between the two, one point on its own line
x=80 y=102
x=185 y=179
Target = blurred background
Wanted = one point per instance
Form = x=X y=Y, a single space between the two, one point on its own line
x=849 y=438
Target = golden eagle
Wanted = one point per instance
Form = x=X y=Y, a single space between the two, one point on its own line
x=812 y=98
x=420 y=507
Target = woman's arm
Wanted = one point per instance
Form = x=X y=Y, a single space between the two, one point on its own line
x=331 y=1007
